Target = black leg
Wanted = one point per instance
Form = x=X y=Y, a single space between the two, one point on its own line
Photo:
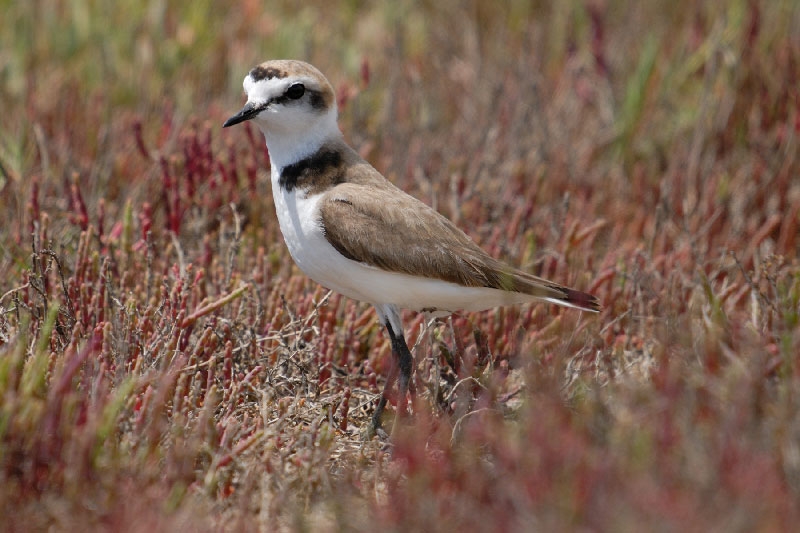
x=404 y=359
x=403 y=362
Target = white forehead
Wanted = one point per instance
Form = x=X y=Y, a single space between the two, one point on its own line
x=266 y=89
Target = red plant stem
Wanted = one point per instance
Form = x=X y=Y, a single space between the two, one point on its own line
x=345 y=409
x=77 y=198
x=137 y=134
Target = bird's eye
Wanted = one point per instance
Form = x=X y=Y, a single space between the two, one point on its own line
x=296 y=91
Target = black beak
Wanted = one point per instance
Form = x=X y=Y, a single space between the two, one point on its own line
x=249 y=111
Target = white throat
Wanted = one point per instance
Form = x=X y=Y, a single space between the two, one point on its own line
x=288 y=145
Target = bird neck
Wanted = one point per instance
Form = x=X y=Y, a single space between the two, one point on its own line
x=289 y=146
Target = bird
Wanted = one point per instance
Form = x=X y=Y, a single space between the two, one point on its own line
x=351 y=230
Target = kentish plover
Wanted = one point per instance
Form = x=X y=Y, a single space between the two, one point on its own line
x=349 y=229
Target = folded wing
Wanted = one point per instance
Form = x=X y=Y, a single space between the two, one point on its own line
x=417 y=240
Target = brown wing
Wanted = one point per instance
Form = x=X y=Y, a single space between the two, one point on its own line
x=417 y=240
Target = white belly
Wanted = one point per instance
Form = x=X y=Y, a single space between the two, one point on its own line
x=300 y=224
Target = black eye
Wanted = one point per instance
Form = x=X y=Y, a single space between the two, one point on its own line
x=296 y=91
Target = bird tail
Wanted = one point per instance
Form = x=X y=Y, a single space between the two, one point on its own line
x=575 y=299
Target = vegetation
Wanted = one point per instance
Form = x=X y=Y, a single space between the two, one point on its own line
x=164 y=365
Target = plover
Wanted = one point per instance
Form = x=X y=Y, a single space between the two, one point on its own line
x=349 y=229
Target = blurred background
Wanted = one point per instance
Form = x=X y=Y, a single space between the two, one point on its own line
x=599 y=88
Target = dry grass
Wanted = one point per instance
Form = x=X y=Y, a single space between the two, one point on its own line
x=163 y=364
